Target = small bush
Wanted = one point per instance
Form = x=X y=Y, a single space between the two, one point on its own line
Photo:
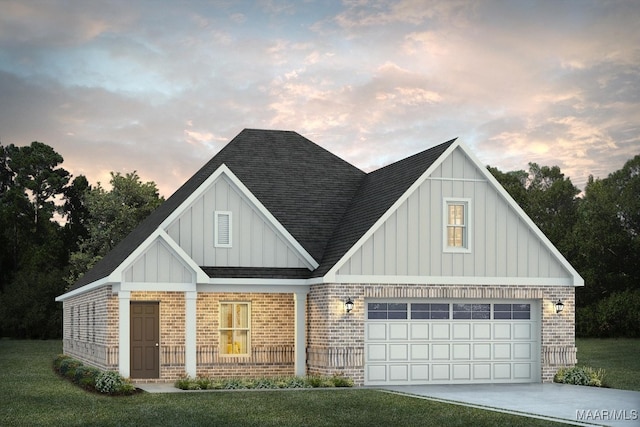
x=340 y=380
x=58 y=361
x=86 y=377
x=68 y=368
x=316 y=381
x=580 y=375
x=110 y=382
x=203 y=383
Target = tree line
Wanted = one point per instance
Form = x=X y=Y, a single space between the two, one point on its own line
x=54 y=227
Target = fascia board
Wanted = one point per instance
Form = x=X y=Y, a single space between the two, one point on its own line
x=455 y=280
x=577 y=280
x=418 y=182
x=86 y=288
x=312 y=264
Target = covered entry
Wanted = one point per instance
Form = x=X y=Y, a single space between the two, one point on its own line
x=451 y=342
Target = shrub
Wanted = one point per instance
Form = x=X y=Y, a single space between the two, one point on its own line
x=57 y=361
x=580 y=375
x=614 y=316
x=68 y=367
x=86 y=377
x=316 y=381
x=110 y=382
x=340 y=380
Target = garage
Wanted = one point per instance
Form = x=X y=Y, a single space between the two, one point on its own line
x=451 y=342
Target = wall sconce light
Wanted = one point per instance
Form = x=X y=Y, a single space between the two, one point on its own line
x=559 y=306
x=348 y=305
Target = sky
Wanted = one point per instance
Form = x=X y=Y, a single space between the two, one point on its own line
x=159 y=87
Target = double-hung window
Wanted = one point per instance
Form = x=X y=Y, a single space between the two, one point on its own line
x=235 y=328
x=457 y=224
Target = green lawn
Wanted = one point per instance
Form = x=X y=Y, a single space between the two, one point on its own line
x=619 y=358
x=31 y=394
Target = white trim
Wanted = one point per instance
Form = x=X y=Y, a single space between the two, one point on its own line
x=157 y=286
x=81 y=290
x=454 y=280
x=312 y=264
x=299 y=332
x=216 y=229
x=256 y=281
x=270 y=289
x=124 y=333
x=190 y=333
x=468 y=225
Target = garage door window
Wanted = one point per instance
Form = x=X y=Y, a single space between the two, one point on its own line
x=385 y=310
x=512 y=311
x=429 y=311
x=471 y=311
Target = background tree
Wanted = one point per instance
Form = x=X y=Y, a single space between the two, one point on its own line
x=112 y=214
x=32 y=250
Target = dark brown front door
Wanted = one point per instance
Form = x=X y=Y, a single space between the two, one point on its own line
x=145 y=340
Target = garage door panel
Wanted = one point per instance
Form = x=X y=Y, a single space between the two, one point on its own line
x=496 y=347
x=461 y=351
x=399 y=352
x=440 y=372
x=419 y=331
x=522 y=331
x=399 y=373
x=376 y=352
x=461 y=331
x=440 y=351
x=419 y=351
x=481 y=331
x=398 y=331
x=419 y=372
x=462 y=372
x=376 y=373
x=440 y=331
x=376 y=331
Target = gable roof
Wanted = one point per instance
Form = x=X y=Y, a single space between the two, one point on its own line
x=379 y=190
x=304 y=186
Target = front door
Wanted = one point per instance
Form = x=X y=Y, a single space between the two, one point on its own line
x=145 y=340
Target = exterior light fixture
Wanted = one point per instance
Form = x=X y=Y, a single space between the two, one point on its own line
x=348 y=305
x=559 y=306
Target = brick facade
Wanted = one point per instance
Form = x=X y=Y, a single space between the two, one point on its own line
x=91 y=332
x=336 y=338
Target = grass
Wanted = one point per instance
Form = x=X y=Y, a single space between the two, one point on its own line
x=619 y=358
x=33 y=395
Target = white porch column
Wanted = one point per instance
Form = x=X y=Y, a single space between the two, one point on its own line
x=190 y=359
x=124 y=333
x=300 y=338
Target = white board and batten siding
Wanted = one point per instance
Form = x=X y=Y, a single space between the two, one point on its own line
x=255 y=242
x=158 y=264
x=410 y=242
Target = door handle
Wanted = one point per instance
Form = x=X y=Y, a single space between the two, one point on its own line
x=157 y=345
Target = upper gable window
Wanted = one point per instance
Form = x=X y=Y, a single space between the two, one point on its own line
x=457 y=224
x=222 y=229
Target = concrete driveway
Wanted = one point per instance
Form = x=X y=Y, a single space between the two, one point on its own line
x=571 y=404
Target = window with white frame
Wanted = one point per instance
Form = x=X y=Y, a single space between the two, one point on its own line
x=222 y=229
x=235 y=328
x=457 y=234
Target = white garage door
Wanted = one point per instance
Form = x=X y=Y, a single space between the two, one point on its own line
x=449 y=342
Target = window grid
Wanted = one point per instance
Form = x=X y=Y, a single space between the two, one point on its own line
x=235 y=328
x=446 y=311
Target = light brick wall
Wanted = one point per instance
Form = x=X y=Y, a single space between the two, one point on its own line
x=90 y=328
x=336 y=339
x=272 y=336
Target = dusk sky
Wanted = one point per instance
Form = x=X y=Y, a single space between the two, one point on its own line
x=160 y=86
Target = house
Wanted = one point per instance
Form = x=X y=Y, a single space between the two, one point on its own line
x=246 y=270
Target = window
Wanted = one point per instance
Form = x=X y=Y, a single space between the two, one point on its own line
x=429 y=311
x=471 y=311
x=222 y=229
x=512 y=311
x=385 y=310
x=457 y=236
x=235 y=331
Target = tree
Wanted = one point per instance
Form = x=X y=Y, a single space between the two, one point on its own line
x=111 y=216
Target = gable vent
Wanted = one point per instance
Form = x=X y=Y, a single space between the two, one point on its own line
x=222 y=228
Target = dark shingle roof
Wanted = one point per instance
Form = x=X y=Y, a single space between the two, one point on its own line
x=325 y=203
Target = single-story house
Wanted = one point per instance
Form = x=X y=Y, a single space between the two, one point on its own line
x=279 y=258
